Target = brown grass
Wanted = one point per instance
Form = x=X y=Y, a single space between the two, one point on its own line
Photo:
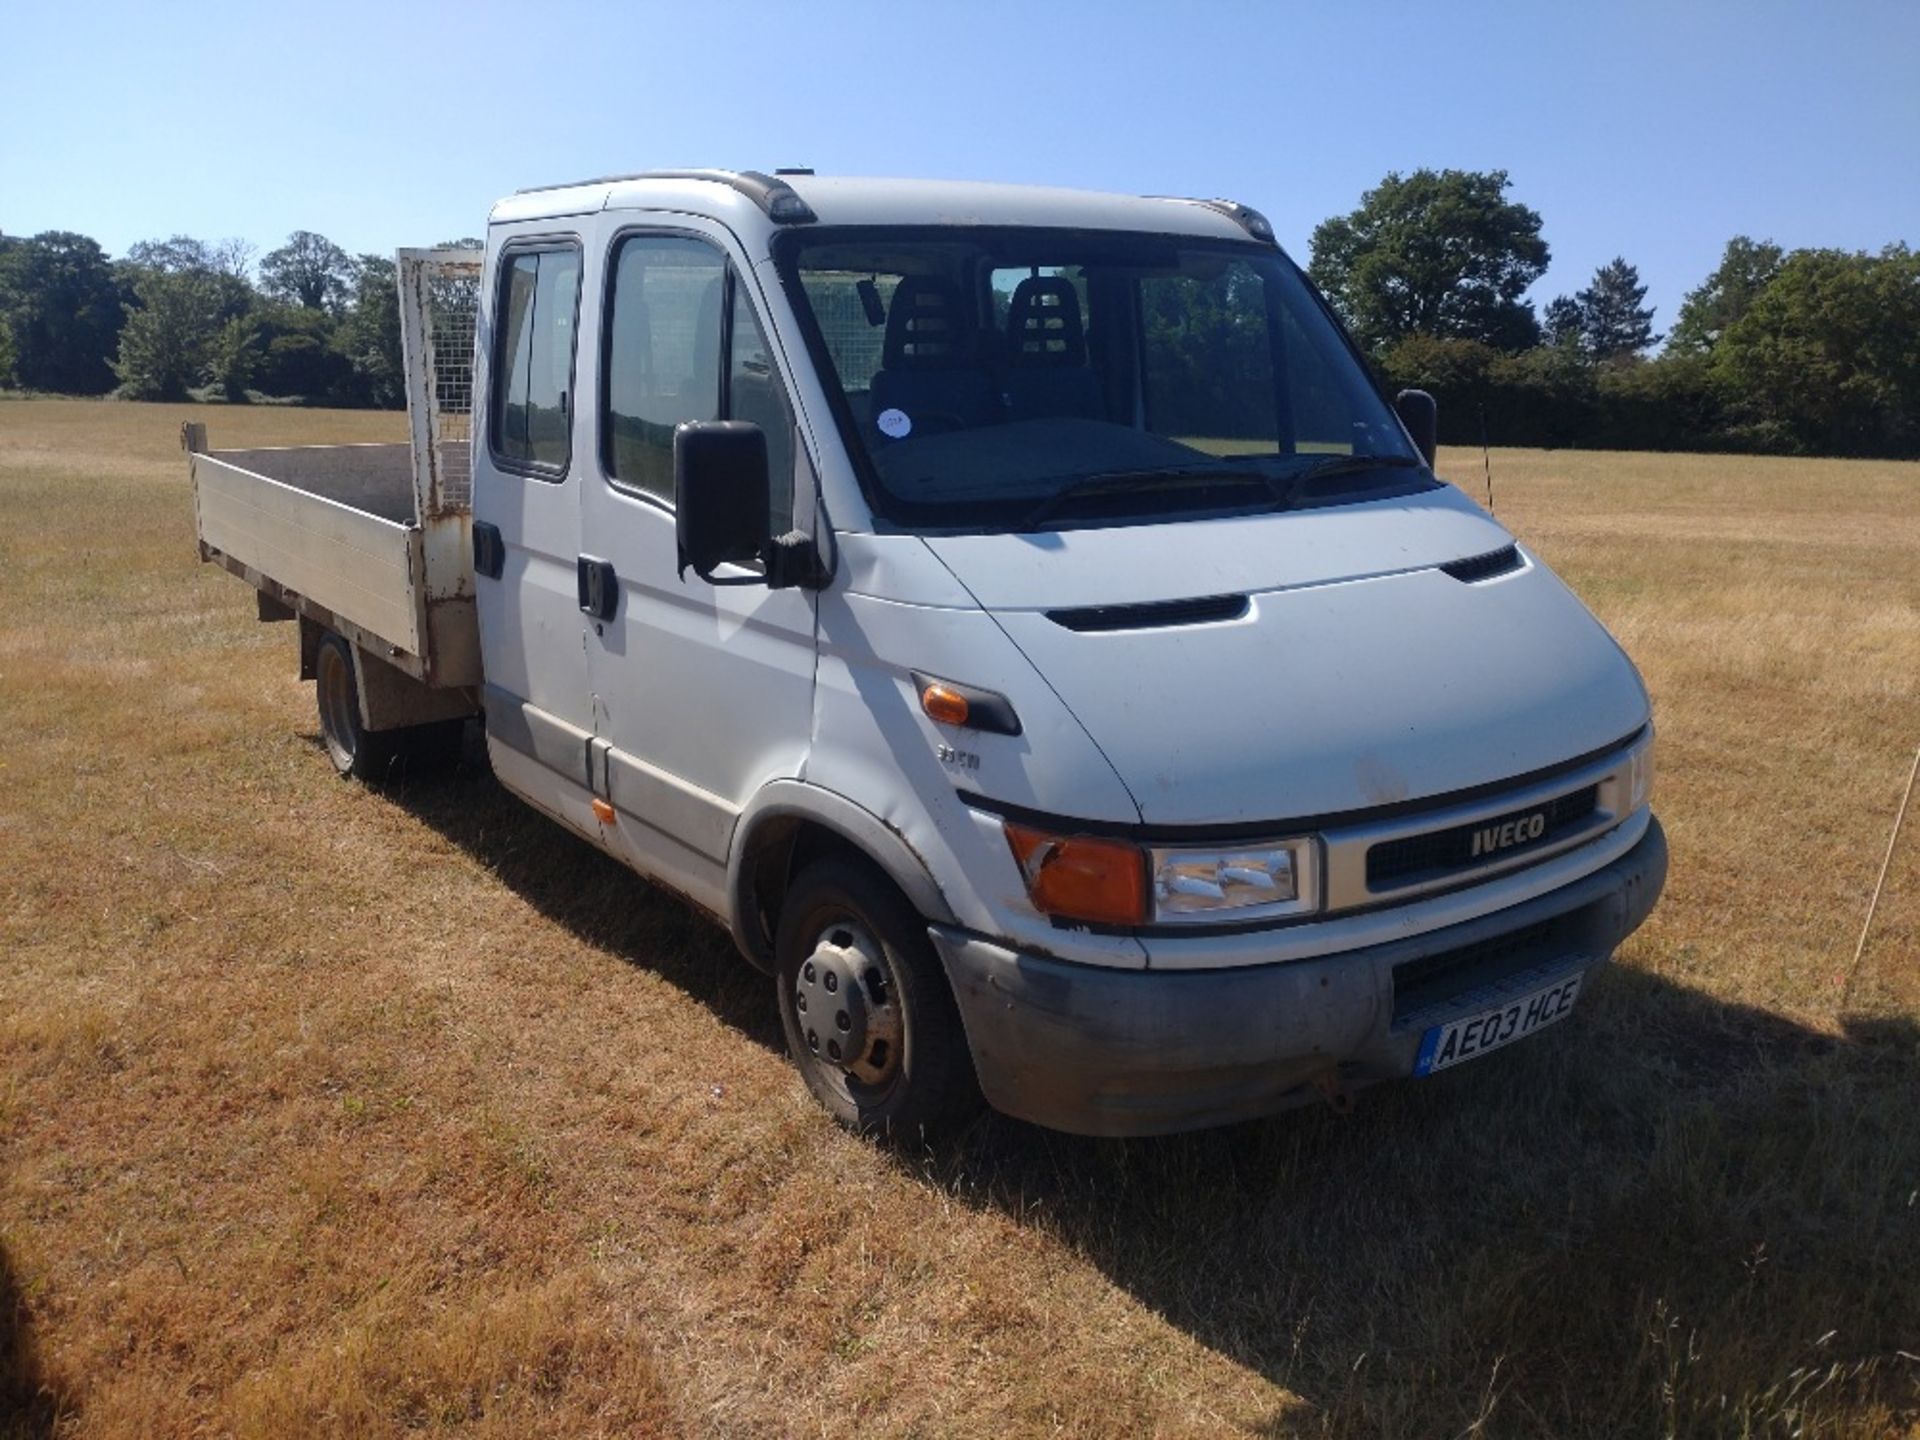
x=331 y=1109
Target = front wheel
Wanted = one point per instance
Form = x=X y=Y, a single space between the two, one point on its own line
x=869 y=1018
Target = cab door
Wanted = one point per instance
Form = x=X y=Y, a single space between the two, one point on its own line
x=527 y=480
x=700 y=694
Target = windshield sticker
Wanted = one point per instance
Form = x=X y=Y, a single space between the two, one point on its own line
x=895 y=425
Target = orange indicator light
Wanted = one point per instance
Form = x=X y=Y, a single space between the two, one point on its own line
x=1080 y=878
x=944 y=704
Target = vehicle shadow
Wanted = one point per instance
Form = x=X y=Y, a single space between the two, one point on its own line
x=29 y=1405
x=1677 y=1216
x=577 y=885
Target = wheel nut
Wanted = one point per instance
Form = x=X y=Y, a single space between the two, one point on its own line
x=844 y=1021
x=807 y=970
x=833 y=1049
x=833 y=982
x=813 y=1041
x=800 y=1003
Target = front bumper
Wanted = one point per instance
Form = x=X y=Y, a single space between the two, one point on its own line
x=1112 y=1052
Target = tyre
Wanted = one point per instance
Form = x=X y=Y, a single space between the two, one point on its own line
x=869 y=1018
x=354 y=750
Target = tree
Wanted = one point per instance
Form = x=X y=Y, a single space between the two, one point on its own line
x=308 y=270
x=1437 y=253
x=168 y=338
x=60 y=304
x=185 y=294
x=1670 y=402
x=1827 y=355
x=1614 y=320
x=369 y=335
x=1565 y=326
x=301 y=354
x=1541 y=396
x=1722 y=298
x=180 y=254
x=233 y=357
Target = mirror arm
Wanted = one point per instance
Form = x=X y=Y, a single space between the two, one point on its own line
x=789 y=560
x=793 y=559
x=718 y=580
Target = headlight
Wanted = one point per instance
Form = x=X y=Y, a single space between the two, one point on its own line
x=1641 y=782
x=1115 y=882
x=1277 y=878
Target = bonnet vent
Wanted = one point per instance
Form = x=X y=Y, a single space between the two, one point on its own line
x=1484 y=567
x=1157 y=616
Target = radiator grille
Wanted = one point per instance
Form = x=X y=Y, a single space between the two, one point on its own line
x=1464 y=848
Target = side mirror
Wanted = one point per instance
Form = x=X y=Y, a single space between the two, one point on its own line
x=722 y=510
x=1422 y=419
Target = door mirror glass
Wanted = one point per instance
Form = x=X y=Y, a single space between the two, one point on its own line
x=721 y=490
x=1422 y=418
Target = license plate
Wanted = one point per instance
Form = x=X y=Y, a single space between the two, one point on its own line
x=1457 y=1041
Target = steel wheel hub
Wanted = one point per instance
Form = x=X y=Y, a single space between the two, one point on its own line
x=848 y=1011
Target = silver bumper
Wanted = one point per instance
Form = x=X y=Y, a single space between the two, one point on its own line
x=1110 y=1052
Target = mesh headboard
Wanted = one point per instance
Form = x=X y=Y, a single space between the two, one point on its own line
x=439 y=305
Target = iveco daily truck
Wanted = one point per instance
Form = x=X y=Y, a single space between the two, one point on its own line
x=1015 y=614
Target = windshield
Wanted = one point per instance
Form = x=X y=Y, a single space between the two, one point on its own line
x=1027 y=378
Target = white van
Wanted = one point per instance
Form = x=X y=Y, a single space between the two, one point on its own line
x=1014 y=613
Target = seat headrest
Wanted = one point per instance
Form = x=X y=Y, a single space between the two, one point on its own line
x=1043 y=323
x=929 y=326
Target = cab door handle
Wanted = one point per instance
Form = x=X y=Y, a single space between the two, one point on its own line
x=599 y=588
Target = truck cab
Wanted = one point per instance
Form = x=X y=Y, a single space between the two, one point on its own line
x=1019 y=617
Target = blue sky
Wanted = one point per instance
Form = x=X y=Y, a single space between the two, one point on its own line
x=1655 y=131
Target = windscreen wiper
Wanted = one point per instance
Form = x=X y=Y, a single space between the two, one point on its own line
x=1351 y=465
x=1162 y=478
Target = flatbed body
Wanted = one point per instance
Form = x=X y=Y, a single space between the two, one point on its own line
x=327 y=532
x=372 y=542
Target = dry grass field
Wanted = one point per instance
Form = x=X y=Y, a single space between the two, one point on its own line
x=328 y=1109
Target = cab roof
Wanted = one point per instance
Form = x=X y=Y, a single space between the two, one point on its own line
x=860 y=200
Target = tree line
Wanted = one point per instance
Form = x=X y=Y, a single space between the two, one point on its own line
x=1787 y=351
x=186 y=319
x=1796 y=351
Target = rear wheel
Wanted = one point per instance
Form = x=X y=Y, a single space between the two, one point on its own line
x=354 y=750
x=869 y=1018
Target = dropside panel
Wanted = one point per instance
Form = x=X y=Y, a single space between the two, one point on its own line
x=356 y=564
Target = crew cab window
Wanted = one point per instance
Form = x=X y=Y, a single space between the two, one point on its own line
x=533 y=365
x=670 y=359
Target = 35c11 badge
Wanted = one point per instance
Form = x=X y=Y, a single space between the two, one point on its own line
x=964 y=759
